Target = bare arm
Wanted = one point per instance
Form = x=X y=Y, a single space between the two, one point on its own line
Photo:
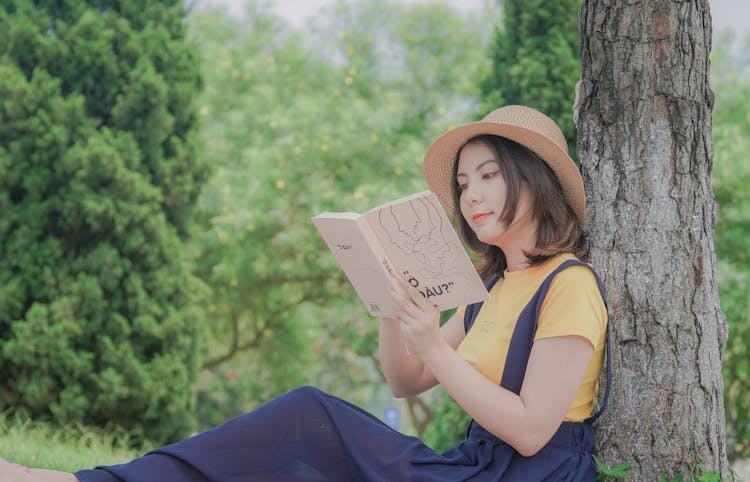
x=527 y=421
x=405 y=373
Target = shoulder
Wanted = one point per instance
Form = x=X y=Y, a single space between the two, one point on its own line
x=577 y=282
x=574 y=304
x=575 y=276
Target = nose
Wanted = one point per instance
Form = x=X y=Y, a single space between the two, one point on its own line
x=470 y=195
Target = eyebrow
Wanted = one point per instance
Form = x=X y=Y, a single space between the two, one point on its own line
x=480 y=166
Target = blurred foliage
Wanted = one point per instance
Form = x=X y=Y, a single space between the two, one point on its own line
x=449 y=424
x=535 y=60
x=100 y=186
x=730 y=81
x=98 y=176
x=332 y=117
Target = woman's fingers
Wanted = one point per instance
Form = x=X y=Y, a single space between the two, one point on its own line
x=412 y=304
x=415 y=296
x=408 y=309
x=402 y=296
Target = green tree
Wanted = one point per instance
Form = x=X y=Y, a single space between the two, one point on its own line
x=534 y=58
x=299 y=121
x=730 y=79
x=98 y=176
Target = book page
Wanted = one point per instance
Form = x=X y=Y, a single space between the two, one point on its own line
x=421 y=242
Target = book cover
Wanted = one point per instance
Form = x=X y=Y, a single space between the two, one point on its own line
x=411 y=238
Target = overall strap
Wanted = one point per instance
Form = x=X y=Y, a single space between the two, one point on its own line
x=527 y=339
x=538 y=307
x=472 y=310
x=607 y=351
x=523 y=335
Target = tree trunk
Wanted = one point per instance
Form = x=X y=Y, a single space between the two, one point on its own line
x=643 y=113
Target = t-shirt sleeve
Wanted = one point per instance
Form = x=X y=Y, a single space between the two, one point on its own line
x=573 y=306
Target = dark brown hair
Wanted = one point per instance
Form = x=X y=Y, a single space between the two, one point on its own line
x=559 y=229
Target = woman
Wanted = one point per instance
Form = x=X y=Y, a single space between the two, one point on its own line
x=524 y=364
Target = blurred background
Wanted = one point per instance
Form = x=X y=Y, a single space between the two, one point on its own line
x=160 y=273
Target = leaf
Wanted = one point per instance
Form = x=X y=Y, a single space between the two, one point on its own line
x=618 y=472
x=622 y=470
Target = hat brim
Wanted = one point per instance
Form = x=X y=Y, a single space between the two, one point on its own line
x=440 y=158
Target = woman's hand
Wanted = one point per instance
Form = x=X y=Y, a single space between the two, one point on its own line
x=420 y=319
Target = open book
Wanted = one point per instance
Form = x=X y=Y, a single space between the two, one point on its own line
x=410 y=238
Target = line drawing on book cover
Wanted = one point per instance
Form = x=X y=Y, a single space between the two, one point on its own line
x=418 y=229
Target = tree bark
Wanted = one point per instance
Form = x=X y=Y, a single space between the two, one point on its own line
x=643 y=113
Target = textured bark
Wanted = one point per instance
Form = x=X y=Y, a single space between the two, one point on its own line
x=643 y=113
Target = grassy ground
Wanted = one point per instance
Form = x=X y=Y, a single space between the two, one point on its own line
x=72 y=448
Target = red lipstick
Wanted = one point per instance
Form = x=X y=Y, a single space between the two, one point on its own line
x=478 y=217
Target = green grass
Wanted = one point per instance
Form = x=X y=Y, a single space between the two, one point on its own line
x=70 y=448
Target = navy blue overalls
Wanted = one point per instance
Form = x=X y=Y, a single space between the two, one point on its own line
x=308 y=435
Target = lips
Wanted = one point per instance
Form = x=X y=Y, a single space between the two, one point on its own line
x=479 y=217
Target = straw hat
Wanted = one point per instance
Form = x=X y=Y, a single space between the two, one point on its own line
x=521 y=124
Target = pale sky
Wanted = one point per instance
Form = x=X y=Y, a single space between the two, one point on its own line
x=732 y=14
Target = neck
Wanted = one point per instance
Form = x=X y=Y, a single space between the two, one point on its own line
x=524 y=239
x=516 y=262
x=515 y=258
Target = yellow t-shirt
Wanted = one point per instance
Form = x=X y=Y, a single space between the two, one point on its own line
x=573 y=306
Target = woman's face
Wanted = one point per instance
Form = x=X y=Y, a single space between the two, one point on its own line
x=483 y=193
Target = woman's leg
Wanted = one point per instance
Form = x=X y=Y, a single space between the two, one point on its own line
x=52 y=475
x=303 y=435
x=15 y=473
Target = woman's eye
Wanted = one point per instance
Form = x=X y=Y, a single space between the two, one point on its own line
x=462 y=187
x=489 y=175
